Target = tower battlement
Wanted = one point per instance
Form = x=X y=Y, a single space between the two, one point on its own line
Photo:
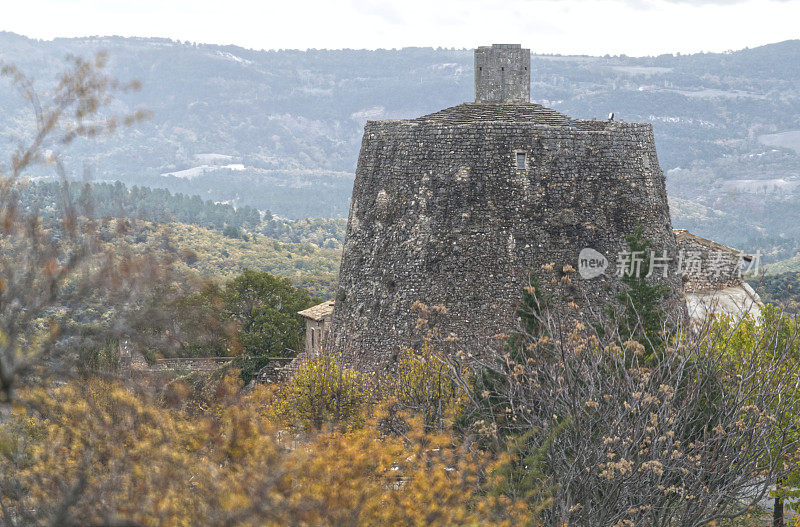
x=502 y=73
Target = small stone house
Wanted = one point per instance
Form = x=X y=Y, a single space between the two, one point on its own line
x=318 y=323
x=712 y=279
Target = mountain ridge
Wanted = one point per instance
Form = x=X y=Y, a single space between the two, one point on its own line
x=293 y=119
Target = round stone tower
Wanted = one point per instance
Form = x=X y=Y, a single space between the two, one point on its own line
x=459 y=207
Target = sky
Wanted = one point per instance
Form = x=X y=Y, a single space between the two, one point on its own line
x=593 y=27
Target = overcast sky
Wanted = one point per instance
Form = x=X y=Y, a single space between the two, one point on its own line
x=596 y=27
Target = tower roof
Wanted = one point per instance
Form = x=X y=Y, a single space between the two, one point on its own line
x=528 y=113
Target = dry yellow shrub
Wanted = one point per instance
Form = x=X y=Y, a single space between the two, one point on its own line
x=95 y=452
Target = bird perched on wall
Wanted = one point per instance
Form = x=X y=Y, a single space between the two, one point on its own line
x=611 y=116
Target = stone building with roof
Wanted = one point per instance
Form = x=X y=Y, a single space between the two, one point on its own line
x=713 y=280
x=318 y=323
x=459 y=207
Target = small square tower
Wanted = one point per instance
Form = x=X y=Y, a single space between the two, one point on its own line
x=502 y=73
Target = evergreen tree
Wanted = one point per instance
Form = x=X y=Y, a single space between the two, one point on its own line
x=644 y=316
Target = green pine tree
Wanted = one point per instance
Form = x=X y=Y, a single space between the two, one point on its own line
x=644 y=316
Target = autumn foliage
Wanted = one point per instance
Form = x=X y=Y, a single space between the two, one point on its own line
x=96 y=452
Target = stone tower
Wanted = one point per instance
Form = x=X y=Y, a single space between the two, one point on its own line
x=502 y=73
x=461 y=206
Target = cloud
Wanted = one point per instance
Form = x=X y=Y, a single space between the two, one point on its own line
x=594 y=27
x=651 y=3
x=385 y=12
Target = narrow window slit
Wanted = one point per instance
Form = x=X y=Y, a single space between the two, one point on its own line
x=520 y=160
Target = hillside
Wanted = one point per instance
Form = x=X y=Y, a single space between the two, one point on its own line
x=789 y=265
x=105 y=200
x=280 y=130
x=215 y=255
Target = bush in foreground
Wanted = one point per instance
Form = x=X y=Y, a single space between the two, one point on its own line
x=685 y=430
x=99 y=453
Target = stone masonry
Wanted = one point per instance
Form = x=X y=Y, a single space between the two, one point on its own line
x=709 y=265
x=318 y=322
x=712 y=280
x=502 y=73
x=459 y=208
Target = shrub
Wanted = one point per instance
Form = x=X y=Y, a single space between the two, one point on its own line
x=232 y=232
x=324 y=391
x=421 y=383
x=97 y=453
x=674 y=437
x=188 y=256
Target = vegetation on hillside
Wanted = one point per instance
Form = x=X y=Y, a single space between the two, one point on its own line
x=46 y=198
x=788 y=265
x=781 y=290
x=117 y=201
x=51 y=275
x=214 y=255
x=214 y=240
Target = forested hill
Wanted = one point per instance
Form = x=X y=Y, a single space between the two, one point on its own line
x=280 y=130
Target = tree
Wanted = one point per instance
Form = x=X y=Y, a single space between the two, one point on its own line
x=254 y=316
x=232 y=231
x=765 y=339
x=47 y=272
x=265 y=308
x=187 y=319
x=644 y=310
x=673 y=438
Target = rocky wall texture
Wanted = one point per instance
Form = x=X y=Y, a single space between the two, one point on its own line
x=502 y=73
x=707 y=265
x=440 y=213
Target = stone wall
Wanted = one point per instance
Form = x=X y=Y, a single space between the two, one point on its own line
x=502 y=73
x=316 y=334
x=441 y=214
x=708 y=265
